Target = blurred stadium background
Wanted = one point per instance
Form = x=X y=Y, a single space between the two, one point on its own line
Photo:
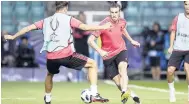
x=140 y=17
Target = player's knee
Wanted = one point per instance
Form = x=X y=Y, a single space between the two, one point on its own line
x=122 y=65
x=50 y=75
x=94 y=64
x=122 y=68
x=171 y=70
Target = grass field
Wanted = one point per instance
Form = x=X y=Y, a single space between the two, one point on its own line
x=69 y=93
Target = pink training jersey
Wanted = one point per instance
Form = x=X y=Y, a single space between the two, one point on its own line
x=174 y=24
x=74 y=23
x=112 y=40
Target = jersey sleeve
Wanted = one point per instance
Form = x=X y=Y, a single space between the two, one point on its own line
x=174 y=24
x=97 y=33
x=75 y=23
x=39 y=24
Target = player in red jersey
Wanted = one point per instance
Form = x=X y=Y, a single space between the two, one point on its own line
x=114 y=52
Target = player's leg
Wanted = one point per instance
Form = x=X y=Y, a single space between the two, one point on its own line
x=122 y=64
x=186 y=68
x=116 y=80
x=92 y=74
x=158 y=73
x=48 y=87
x=153 y=67
x=174 y=62
x=153 y=70
x=170 y=79
x=158 y=68
x=78 y=61
x=53 y=68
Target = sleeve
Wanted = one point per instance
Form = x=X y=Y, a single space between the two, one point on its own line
x=124 y=24
x=39 y=24
x=174 y=24
x=74 y=23
x=97 y=33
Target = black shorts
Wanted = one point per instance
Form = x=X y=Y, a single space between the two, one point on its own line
x=154 y=61
x=111 y=65
x=177 y=57
x=75 y=61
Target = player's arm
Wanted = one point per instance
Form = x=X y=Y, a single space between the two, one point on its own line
x=75 y=23
x=133 y=42
x=126 y=34
x=173 y=34
x=21 y=32
x=172 y=38
x=91 y=42
x=94 y=27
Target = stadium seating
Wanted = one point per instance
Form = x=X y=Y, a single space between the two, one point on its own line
x=10 y=28
x=159 y=4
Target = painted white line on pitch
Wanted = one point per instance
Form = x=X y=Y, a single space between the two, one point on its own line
x=146 y=88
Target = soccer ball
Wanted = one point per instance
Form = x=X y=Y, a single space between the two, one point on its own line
x=86 y=96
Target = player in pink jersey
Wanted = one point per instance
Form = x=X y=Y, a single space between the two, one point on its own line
x=114 y=52
x=179 y=49
x=63 y=56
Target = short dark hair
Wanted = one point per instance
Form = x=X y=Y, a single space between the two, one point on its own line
x=24 y=37
x=115 y=5
x=61 y=4
x=157 y=23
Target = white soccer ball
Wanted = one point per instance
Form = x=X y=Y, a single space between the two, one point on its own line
x=86 y=96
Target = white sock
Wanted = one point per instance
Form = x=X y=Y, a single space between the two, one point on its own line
x=94 y=90
x=171 y=86
x=172 y=97
x=124 y=90
x=48 y=97
x=133 y=94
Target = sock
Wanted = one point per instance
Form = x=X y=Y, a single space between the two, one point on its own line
x=171 y=86
x=48 y=97
x=94 y=90
x=133 y=94
x=124 y=90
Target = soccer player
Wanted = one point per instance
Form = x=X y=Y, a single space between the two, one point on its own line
x=114 y=52
x=179 y=47
x=58 y=42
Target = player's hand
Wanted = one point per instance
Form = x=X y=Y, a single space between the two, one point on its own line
x=9 y=37
x=107 y=25
x=170 y=50
x=103 y=53
x=135 y=43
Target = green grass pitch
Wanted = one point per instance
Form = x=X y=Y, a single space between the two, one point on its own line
x=69 y=93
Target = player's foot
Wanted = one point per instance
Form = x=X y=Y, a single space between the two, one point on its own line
x=98 y=98
x=45 y=99
x=125 y=96
x=172 y=97
x=136 y=100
